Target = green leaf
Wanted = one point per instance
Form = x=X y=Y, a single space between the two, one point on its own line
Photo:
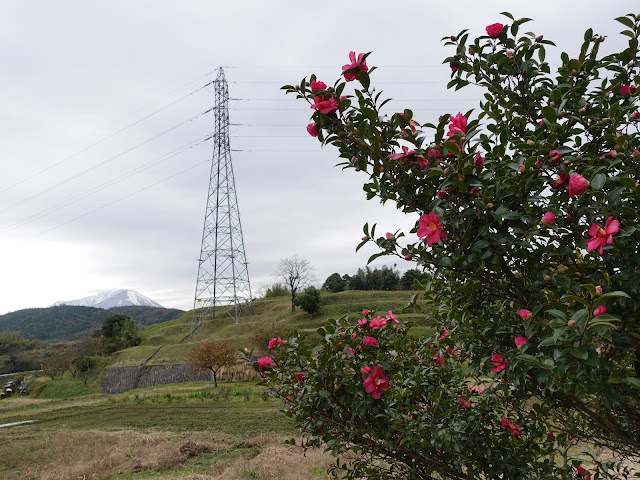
x=549 y=113
x=590 y=288
x=558 y=314
x=580 y=352
x=627 y=182
x=452 y=147
x=363 y=78
x=528 y=358
x=633 y=381
x=626 y=21
x=574 y=298
x=617 y=293
x=597 y=182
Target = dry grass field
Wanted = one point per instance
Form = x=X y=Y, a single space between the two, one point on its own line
x=187 y=431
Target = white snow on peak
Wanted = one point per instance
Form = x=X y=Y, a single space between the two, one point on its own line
x=112 y=298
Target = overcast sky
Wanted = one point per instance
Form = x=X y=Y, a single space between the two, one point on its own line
x=95 y=192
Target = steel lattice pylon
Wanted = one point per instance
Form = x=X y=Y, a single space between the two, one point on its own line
x=223 y=276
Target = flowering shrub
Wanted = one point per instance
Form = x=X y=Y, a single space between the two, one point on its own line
x=527 y=215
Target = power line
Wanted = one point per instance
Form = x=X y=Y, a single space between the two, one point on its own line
x=109 y=183
x=126 y=196
x=102 y=140
x=108 y=160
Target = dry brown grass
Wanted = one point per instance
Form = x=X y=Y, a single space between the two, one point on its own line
x=92 y=454
x=279 y=462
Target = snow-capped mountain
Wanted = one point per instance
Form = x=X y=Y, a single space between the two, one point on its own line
x=112 y=298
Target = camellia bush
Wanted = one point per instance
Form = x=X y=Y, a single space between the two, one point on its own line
x=527 y=213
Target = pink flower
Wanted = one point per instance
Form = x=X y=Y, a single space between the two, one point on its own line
x=352 y=69
x=475 y=389
x=265 y=362
x=365 y=370
x=438 y=360
x=478 y=161
x=323 y=106
x=433 y=153
x=494 y=29
x=463 y=403
x=390 y=235
x=499 y=362
x=627 y=90
x=363 y=322
x=430 y=227
x=520 y=341
x=602 y=236
x=378 y=322
x=408 y=257
x=521 y=168
x=548 y=218
x=584 y=473
x=274 y=342
x=458 y=125
x=512 y=428
x=577 y=185
x=370 y=341
x=392 y=316
x=601 y=310
x=410 y=157
x=598 y=290
x=318 y=86
x=376 y=382
x=312 y=129
x=561 y=181
x=300 y=377
x=525 y=314
x=365 y=312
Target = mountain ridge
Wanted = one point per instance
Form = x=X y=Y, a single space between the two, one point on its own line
x=71 y=322
x=107 y=299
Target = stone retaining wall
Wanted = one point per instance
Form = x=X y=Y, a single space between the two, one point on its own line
x=122 y=379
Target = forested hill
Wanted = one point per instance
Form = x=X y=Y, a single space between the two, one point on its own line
x=68 y=322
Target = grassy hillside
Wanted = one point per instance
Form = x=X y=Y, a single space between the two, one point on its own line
x=272 y=317
x=67 y=322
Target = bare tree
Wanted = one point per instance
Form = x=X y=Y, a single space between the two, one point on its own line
x=296 y=274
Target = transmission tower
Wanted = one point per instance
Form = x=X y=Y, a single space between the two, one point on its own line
x=223 y=276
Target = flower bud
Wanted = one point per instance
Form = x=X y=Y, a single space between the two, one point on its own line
x=636 y=153
x=530 y=142
x=546 y=278
x=365 y=238
x=461 y=178
x=539 y=38
x=447 y=171
x=521 y=167
x=453 y=38
x=571 y=323
x=408 y=257
x=489 y=205
x=613 y=153
x=441 y=194
x=598 y=291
